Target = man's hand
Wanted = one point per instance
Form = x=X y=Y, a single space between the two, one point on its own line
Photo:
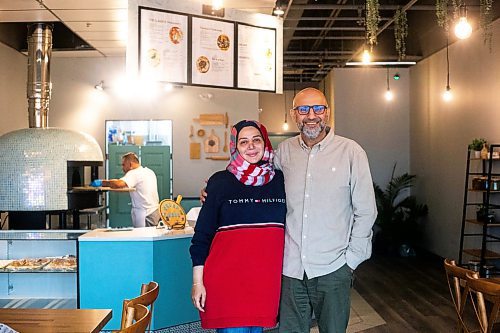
x=96 y=183
x=203 y=193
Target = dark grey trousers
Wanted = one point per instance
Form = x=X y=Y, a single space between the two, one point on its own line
x=329 y=296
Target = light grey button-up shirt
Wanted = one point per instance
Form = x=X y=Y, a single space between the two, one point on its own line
x=330 y=205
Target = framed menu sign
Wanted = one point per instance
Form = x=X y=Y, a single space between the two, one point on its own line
x=163 y=45
x=212 y=61
x=256 y=58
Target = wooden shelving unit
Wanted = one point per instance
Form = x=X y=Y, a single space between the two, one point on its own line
x=483 y=228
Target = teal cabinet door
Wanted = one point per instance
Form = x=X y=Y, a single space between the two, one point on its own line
x=157 y=158
x=119 y=202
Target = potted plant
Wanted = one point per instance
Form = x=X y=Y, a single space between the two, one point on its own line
x=399 y=216
x=476 y=145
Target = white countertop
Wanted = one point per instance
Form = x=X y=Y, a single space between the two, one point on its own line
x=135 y=234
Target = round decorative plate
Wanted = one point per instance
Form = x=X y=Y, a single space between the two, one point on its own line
x=172 y=213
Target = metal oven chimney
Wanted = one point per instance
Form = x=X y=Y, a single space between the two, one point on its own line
x=39 y=85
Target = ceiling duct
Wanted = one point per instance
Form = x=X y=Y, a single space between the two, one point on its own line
x=39 y=86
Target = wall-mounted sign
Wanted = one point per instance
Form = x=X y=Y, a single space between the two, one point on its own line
x=256 y=58
x=212 y=61
x=163 y=46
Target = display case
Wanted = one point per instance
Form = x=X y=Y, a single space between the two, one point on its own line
x=39 y=268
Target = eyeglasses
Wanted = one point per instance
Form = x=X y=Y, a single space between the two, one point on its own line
x=304 y=109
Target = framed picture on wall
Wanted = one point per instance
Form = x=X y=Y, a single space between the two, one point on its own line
x=163 y=45
x=256 y=58
x=212 y=62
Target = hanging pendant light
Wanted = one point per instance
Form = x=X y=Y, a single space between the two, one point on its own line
x=285 y=124
x=463 y=29
x=389 y=96
x=447 y=95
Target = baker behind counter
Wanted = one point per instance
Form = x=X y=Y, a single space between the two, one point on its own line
x=145 y=198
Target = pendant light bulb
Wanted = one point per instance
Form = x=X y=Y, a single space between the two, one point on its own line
x=285 y=126
x=447 y=95
x=463 y=29
x=389 y=96
x=366 y=57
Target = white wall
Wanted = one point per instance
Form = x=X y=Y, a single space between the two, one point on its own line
x=77 y=105
x=441 y=131
x=13 y=102
x=379 y=126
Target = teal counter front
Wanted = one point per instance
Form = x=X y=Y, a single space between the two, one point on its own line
x=114 y=264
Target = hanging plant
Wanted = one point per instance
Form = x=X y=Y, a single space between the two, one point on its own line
x=372 y=19
x=400 y=32
x=485 y=19
x=442 y=13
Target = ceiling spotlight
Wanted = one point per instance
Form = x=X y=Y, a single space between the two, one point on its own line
x=99 y=86
x=278 y=9
x=396 y=76
x=463 y=28
x=217 y=4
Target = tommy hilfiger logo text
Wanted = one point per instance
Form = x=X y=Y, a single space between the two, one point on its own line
x=251 y=200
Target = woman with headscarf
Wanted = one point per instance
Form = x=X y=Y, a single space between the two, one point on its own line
x=237 y=248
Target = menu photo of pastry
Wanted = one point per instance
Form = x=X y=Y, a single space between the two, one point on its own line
x=153 y=57
x=202 y=64
x=223 y=42
x=175 y=34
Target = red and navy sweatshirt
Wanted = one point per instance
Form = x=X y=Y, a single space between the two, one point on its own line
x=239 y=238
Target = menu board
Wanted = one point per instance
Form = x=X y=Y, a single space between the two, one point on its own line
x=163 y=48
x=212 y=60
x=256 y=58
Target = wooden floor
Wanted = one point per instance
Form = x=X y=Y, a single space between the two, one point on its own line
x=410 y=294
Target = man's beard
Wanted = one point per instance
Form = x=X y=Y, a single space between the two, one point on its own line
x=314 y=132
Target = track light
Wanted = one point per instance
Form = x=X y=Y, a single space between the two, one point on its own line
x=99 y=86
x=278 y=9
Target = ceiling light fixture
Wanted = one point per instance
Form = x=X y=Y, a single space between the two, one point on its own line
x=463 y=29
x=388 y=93
x=285 y=124
x=366 y=57
x=99 y=86
x=447 y=95
x=381 y=63
x=396 y=76
x=217 y=4
x=278 y=9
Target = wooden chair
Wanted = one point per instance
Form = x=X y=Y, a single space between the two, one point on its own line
x=482 y=291
x=149 y=294
x=456 y=277
x=140 y=317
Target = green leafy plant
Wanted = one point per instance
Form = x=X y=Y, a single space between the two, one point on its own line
x=400 y=32
x=399 y=213
x=485 y=20
x=477 y=144
x=442 y=13
x=372 y=19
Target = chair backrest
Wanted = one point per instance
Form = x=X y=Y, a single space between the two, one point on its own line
x=479 y=291
x=456 y=277
x=149 y=294
x=141 y=317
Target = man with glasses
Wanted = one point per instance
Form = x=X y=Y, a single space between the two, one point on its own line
x=330 y=213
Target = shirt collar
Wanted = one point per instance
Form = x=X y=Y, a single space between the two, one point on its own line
x=323 y=143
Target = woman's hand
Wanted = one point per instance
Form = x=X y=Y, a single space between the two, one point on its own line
x=199 y=295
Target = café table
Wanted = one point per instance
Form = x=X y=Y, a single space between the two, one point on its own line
x=55 y=320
